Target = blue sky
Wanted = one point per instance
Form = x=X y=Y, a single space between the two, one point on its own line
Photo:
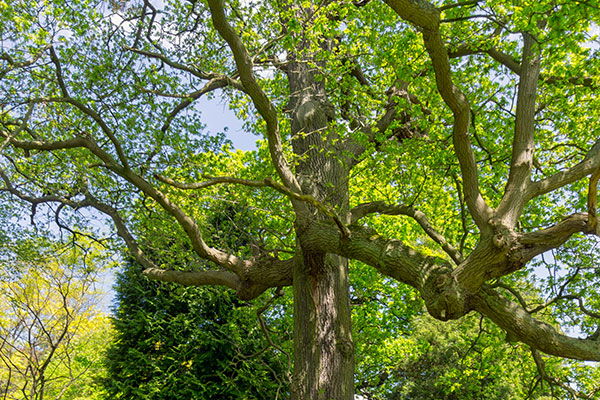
x=217 y=115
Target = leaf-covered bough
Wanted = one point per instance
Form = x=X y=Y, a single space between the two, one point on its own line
x=451 y=146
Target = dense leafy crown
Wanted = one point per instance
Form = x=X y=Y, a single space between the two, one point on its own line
x=452 y=147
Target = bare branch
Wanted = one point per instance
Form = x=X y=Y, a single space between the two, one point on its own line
x=59 y=74
x=380 y=207
x=389 y=115
x=512 y=291
x=211 y=181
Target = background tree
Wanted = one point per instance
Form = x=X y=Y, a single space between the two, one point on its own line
x=474 y=120
x=52 y=333
x=196 y=343
x=175 y=342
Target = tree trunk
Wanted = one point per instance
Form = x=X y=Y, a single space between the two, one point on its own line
x=323 y=347
x=323 y=350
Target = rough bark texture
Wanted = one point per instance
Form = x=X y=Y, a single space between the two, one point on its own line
x=323 y=347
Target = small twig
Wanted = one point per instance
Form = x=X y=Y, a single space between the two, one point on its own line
x=514 y=292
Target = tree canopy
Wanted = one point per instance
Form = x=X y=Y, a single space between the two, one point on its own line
x=450 y=147
x=52 y=330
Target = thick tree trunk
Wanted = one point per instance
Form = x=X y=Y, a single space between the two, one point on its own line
x=323 y=347
x=323 y=350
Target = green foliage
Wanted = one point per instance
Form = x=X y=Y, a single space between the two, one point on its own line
x=133 y=73
x=52 y=331
x=174 y=342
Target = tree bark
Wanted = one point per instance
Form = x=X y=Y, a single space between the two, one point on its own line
x=323 y=346
x=323 y=349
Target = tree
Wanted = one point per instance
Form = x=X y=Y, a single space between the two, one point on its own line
x=195 y=343
x=51 y=331
x=451 y=147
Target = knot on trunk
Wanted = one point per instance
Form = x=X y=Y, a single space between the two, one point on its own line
x=442 y=294
x=345 y=346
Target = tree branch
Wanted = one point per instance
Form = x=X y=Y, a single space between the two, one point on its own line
x=590 y=163
x=503 y=58
x=427 y=17
x=507 y=251
x=515 y=66
x=267 y=182
x=459 y=4
x=381 y=207
x=519 y=324
x=592 y=203
x=541 y=367
x=20 y=127
x=195 y=278
x=512 y=203
x=259 y=98
x=87 y=110
x=213 y=84
x=173 y=64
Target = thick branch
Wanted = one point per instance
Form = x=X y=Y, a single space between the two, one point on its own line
x=380 y=207
x=259 y=98
x=513 y=64
x=269 y=273
x=503 y=58
x=519 y=324
x=538 y=242
x=512 y=203
x=19 y=129
x=195 y=278
x=592 y=203
x=590 y=163
x=507 y=251
x=427 y=17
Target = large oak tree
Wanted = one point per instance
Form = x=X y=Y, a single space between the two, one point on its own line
x=451 y=146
